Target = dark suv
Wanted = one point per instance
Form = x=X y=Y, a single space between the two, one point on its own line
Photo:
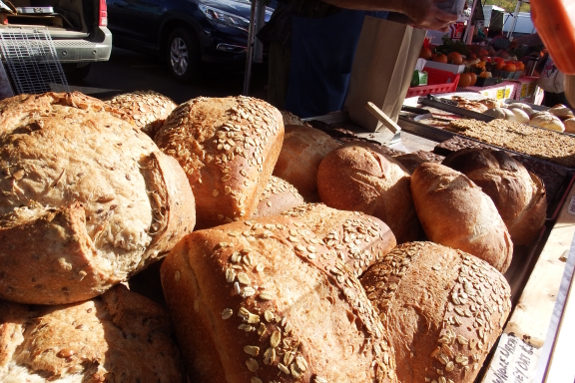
x=184 y=32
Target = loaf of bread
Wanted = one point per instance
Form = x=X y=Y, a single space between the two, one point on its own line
x=147 y=109
x=412 y=160
x=279 y=195
x=562 y=111
x=442 y=308
x=261 y=301
x=455 y=212
x=118 y=337
x=547 y=121
x=228 y=147
x=524 y=107
x=357 y=176
x=291 y=119
x=86 y=201
x=357 y=239
x=519 y=195
x=302 y=151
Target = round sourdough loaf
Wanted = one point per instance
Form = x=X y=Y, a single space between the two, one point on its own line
x=278 y=196
x=86 y=200
x=357 y=176
x=302 y=151
x=119 y=336
x=147 y=109
x=562 y=111
x=519 y=195
x=264 y=300
x=455 y=212
x=442 y=308
x=358 y=239
x=228 y=147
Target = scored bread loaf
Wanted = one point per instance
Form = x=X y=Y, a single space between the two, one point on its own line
x=455 y=212
x=228 y=147
x=547 y=121
x=519 y=195
x=261 y=301
x=357 y=176
x=86 y=201
x=147 y=109
x=119 y=336
x=356 y=238
x=279 y=195
x=442 y=308
x=302 y=151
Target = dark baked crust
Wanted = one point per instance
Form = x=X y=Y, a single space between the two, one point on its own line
x=278 y=196
x=518 y=195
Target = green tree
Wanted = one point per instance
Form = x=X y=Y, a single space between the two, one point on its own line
x=508 y=5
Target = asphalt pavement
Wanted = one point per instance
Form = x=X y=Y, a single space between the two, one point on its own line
x=128 y=71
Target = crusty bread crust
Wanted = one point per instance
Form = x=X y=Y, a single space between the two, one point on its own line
x=106 y=200
x=147 y=110
x=120 y=336
x=358 y=177
x=519 y=195
x=455 y=212
x=302 y=151
x=443 y=310
x=278 y=196
x=357 y=239
x=261 y=300
x=228 y=148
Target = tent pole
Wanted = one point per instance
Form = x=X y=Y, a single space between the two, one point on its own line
x=470 y=23
x=515 y=16
x=250 y=50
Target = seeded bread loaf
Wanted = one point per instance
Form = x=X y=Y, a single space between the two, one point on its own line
x=118 y=337
x=519 y=195
x=357 y=176
x=228 y=147
x=279 y=195
x=357 y=239
x=455 y=212
x=442 y=308
x=147 y=109
x=86 y=199
x=302 y=151
x=262 y=301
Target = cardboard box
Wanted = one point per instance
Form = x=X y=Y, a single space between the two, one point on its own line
x=446 y=67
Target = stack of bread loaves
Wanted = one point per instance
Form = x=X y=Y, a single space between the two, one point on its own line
x=87 y=201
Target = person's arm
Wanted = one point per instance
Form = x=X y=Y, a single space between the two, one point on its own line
x=423 y=13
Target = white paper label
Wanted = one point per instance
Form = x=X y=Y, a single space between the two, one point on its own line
x=571 y=209
x=514 y=362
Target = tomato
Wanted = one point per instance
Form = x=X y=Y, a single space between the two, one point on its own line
x=454 y=58
x=464 y=80
x=425 y=53
x=440 y=58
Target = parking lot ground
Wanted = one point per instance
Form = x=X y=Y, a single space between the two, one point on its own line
x=127 y=71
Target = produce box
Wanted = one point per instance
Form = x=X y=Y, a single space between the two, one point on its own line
x=445 y=67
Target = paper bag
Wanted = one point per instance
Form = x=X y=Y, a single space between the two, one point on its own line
x=382 y=69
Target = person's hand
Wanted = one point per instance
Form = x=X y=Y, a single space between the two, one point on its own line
x=426 y=15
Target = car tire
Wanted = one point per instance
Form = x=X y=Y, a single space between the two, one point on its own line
x=183 y=54
x=76 y=72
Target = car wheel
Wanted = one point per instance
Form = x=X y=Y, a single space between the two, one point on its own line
x=183 y=55
x=76 y=72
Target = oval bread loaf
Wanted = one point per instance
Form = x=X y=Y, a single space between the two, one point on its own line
x=228 y=147
x=548 y=121
x=356 y=176
x=455 y=212
x=357 y=238
x=263 y=300
x=302 y=151
x=519 y=195
x=87 y=199
x=443 y=310
x=119 y=334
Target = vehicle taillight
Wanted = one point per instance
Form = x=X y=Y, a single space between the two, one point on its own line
x=103 y=14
